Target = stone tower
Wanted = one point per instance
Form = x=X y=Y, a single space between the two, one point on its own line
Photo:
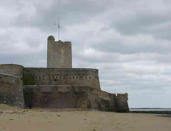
x=59 y=53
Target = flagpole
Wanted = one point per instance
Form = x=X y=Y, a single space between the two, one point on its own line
x=58 y=24
x=58 y=19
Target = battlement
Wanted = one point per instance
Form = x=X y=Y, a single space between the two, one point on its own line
x=63 y=42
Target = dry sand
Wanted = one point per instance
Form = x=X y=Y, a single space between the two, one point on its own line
x=14 y=119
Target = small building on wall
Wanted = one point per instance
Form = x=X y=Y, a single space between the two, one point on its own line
x=57 y=86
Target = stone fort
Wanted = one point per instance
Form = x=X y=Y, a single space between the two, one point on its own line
x=57 y=86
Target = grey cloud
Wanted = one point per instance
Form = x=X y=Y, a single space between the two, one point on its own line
x=128 y=47
x=144 y=18
x=70 y=12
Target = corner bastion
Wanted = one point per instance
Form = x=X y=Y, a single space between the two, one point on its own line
x=12 y=69
x=11 y=85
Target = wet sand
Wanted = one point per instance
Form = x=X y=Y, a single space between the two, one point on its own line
x=14 y=119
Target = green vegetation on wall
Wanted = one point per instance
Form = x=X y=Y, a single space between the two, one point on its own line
x=28 y=79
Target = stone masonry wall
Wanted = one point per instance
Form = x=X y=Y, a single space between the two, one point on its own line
x=11 y=85
x=59 y=54
x=122 y=102
x=11 y=90
x=11 y=69
x=57 y=88
x=70 y=97
x=65 y=76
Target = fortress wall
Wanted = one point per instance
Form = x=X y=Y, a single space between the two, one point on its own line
x=102 y=100
x=55 y=97
x=61 y=76
x=11 y=69
x=65 y=96
x=102 y=93
x=11 y=90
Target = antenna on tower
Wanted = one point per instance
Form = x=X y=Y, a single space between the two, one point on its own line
x=59 y=26
x=58 y=20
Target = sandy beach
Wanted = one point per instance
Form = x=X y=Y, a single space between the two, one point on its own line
x=14 y=119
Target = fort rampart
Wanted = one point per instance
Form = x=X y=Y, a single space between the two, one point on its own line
x=56 y=88
x=82 y=97
x=11 y=90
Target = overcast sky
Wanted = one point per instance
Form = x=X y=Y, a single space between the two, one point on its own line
x=129 y=41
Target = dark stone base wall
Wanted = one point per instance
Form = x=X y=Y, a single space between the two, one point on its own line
x=53 y=99
x=122 y=102
x=71 y=97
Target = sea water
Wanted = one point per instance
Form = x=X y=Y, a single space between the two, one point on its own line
x=150 y=109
